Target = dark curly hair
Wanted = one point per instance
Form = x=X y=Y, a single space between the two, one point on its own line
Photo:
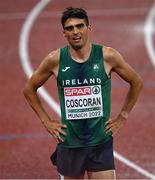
x=71 y=12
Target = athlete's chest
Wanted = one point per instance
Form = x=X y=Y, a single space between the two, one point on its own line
x=81 y=74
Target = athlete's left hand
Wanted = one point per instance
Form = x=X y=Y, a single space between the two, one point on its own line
x=114 y=124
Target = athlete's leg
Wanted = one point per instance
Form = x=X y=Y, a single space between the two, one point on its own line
x=100 y=162
x=109 y=174
x=70 y=162
x=79 y=177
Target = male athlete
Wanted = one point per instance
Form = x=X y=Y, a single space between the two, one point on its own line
x=83 y=72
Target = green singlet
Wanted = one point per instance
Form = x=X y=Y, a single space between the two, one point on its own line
x=84 y=93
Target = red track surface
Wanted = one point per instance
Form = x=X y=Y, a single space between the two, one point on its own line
x=25 y=146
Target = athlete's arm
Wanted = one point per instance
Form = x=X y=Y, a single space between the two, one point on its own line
x=114 y=62
x=48 y=67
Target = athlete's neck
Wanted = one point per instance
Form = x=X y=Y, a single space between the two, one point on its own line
x=81 y=55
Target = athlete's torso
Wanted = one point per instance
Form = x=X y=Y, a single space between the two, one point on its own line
x=84 y=92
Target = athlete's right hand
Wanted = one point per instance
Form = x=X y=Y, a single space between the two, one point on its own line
x=55 y=128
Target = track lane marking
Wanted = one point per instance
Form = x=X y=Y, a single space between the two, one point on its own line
x=8 y=137
x=103 y=12
x=23 y=51
x=25 y=62
x=148 y=34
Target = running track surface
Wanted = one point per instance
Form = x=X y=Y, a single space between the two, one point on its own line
x=25 y=146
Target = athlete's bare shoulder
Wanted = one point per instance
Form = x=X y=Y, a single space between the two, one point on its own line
x=53 y=57
x=112 y=57
x=118 y=65
x=109 y=53
x=51 y=61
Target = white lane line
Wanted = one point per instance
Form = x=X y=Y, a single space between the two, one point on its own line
x=23 y=51
x=148 y=34
x=133 y=165
x=102 y=12
x=25 y=61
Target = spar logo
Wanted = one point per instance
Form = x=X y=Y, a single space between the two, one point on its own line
x=78 y=91
x=96 y=90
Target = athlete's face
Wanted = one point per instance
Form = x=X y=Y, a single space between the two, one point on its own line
x=76 y=31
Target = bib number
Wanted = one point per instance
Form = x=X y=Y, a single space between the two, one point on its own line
x=83 y=102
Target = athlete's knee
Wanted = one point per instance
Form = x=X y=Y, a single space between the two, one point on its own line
x=108 y=174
